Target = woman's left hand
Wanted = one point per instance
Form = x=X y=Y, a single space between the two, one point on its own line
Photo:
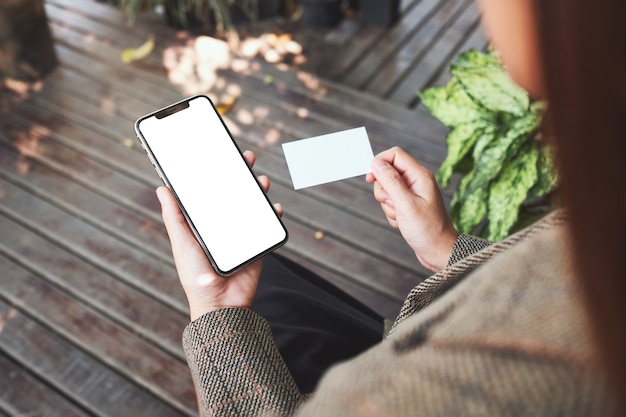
x=206 y=290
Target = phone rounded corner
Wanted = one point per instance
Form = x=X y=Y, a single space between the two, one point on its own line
x=224 y=274
x=285 y=239
x=138 y=122
x=137 y=128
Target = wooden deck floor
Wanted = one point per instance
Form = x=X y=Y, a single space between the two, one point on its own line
x=393 y=63
x=91 y=311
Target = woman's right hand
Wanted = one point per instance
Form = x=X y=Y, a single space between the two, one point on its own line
x=411 y=200
x=207 y=291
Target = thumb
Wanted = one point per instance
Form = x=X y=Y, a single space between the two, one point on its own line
x=177 y=229
x=391 y=180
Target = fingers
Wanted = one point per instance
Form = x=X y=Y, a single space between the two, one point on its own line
x=403 y=163
x=264 y=181
x=390 y=180
x=398 y=173
x=400 y=160
x=381 y=195
x=390 y=214
x=175 y=223
x=169 y=209
x=279 y=209
x=250 y=158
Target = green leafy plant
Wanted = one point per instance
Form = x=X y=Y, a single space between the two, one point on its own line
x=495 y=144
x=202 y=10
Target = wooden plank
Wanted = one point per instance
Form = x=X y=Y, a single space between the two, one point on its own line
x=407 y=57
x=368 y=271
x=344 y=100
x=124 y=223
x=383 y=134
x=366 y=237
x=106 y=252
x=61 y=362
x=364 y=39
x=90 y=174
x=389 y=42
x=37 y=120
x=385 y=306
x=21 y=394
x=406 y=5
x=328 y=93
x=74 y=17
x=123 y=351
x=325 y=42
x=432 y=62
x=476 y=40
x=98 y=12
x=386 y=134
x=98 y=289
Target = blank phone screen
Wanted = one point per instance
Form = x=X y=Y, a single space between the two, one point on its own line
x=203 y=167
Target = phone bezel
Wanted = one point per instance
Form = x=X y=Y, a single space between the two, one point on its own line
x=168 y=110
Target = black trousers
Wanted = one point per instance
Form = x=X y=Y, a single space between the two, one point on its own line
x=314 y=324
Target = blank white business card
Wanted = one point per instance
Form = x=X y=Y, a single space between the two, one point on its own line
x=327 y=158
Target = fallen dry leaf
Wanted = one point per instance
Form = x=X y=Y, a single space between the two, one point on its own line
x=137 y=54
x=225 y=107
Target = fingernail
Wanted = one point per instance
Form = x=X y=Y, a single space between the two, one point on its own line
x=158 y=193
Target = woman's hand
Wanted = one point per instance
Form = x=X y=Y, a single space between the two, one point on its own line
x=412 y=202
x=205 y=289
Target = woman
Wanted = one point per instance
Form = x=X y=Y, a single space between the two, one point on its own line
x=528 y=326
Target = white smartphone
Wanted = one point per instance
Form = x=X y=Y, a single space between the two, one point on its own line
x=217 y=192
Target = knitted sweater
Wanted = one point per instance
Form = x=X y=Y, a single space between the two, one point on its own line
x=500 y=332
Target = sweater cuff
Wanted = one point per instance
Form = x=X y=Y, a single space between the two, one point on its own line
x=236 y=366
x=466 y=245
x=220 y=322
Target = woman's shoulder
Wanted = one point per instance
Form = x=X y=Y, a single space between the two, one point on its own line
x=511 y=338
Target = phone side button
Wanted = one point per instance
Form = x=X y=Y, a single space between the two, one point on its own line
x=159 y=173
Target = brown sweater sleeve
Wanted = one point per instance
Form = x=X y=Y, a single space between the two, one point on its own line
x=236 y=366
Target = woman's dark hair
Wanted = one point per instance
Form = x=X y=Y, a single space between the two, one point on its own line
x=583 y=52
